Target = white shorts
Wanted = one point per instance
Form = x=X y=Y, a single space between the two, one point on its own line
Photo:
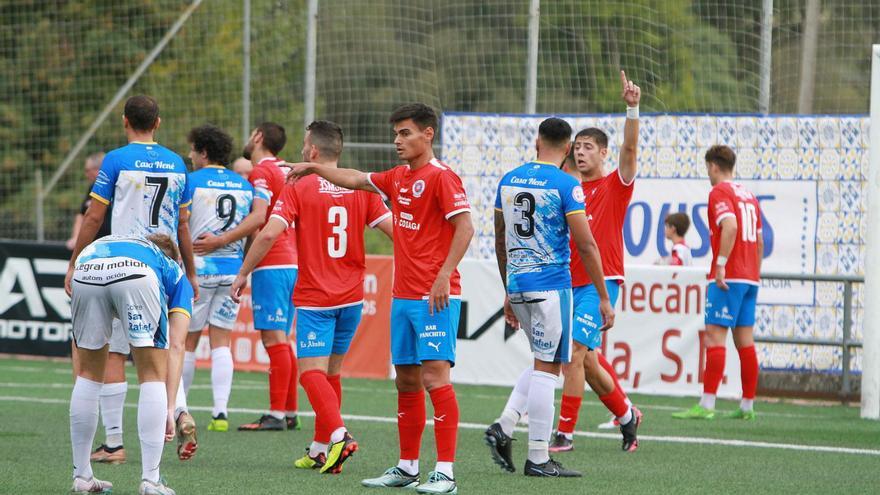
x=546 y=318
x=118 y=338
x=215 y=305
x=129 y=294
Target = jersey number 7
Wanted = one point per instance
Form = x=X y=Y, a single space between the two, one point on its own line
x=159 y=186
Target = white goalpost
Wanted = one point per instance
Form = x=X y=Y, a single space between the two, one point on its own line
x=871 y=328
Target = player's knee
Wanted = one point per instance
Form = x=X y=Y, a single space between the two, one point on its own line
x=408 y=379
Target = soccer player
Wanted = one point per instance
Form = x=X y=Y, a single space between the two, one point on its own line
x=138 y=280
x=607 y=198
x=675 y=227
x=93 y=166
x=737 y=249
x=535 y=208
x=146 y=184
x=273 y=281
x=221 y=201
x=432 y=229
x=329 y=291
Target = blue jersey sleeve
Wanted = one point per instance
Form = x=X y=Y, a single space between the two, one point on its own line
x=572 y=195
x=186 y=201
x=178 y=289
x=498 y=193
x=105 y=183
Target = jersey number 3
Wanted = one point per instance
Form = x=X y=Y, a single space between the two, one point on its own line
x=525 y=202
x=337 y=244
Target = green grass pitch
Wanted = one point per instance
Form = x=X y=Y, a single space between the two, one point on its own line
x=790 y=448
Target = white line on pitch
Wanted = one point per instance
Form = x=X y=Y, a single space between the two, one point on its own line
x=478 y=426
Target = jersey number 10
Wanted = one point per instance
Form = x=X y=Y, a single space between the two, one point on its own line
x=749 y=216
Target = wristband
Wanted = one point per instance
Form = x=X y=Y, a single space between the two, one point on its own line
x=632 y=112
x=721 y=261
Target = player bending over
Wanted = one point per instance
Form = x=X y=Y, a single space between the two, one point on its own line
x=330 y=289
x=221 y=208
x=432 y=229
x=535 y=208
x=137 y=280
x=146 y=184
x=737 y=250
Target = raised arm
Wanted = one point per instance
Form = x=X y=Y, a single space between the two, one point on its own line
x=348 y=178
x=632 y=94
x=589 y=252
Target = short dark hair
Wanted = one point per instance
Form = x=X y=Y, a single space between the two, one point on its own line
x=212 y=140
x=327 y=137
x=721 y=155
x=142 y=112
x=274 y=137
x=423 y=115
x=678 y=221
x=555 y=132
x=596 y=134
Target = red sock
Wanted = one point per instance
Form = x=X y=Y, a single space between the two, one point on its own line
x=336 y=383
x=410 y=423
x=279 y=375
x=291 y=402
x=615 y=402
x=748 y=362
x=323 y=400
x=610 y=369
x=568 y=413
x=445 y=422
x=714 y=369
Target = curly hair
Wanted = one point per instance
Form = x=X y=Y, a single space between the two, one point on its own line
x=213 y=141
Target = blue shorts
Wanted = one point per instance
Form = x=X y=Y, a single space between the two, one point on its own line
x=587 y=318
x=272 y=298
x=734 y=307
x=417 y=336
x=321 y=332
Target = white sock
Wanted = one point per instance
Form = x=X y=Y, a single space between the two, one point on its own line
x=112 y=404
x=747 y=405
x=277 y=414
x=445 y=468
x=338 y=434
x=180 y=401
x=626 y=418
x=221 y=379
x=708 y=401
x=541 y=415
x=152 y=411
x=517 y=403
x=317 y=448
x=83 y=424
x=189 y=370
x=411 y=467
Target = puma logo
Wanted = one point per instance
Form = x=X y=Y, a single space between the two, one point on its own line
x=400 y=414
x=439 y=419
x=564 y=419
x=435 y=345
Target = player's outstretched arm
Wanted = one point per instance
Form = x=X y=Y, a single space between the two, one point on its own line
x=184 y=241
x=348 y=178
x=438 y=299
x=258 y=249
x=92 y=221
x=728 y=238
x=206 y=243
x=632 y=94
x=589 y=252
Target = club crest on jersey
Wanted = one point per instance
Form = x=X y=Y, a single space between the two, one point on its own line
x=578 y=194
x=418 y=188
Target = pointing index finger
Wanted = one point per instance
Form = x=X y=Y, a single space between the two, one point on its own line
x=623 y=79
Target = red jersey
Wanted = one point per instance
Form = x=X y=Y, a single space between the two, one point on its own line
x=606 y=201
x=731 y=200
x=331 y=221
x=680 y=255
x=422 y=202
x=268 y=180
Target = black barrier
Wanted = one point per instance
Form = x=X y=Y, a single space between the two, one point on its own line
x=34 y=310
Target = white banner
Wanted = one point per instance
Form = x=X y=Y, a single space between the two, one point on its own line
x=655 y=345
x=788 y=212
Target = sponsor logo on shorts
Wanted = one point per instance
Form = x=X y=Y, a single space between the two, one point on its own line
x=435 y=345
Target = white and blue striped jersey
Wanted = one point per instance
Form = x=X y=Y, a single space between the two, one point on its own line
x=535 y=199
x=146 y=183
x=221 y=199
x=174 y=289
